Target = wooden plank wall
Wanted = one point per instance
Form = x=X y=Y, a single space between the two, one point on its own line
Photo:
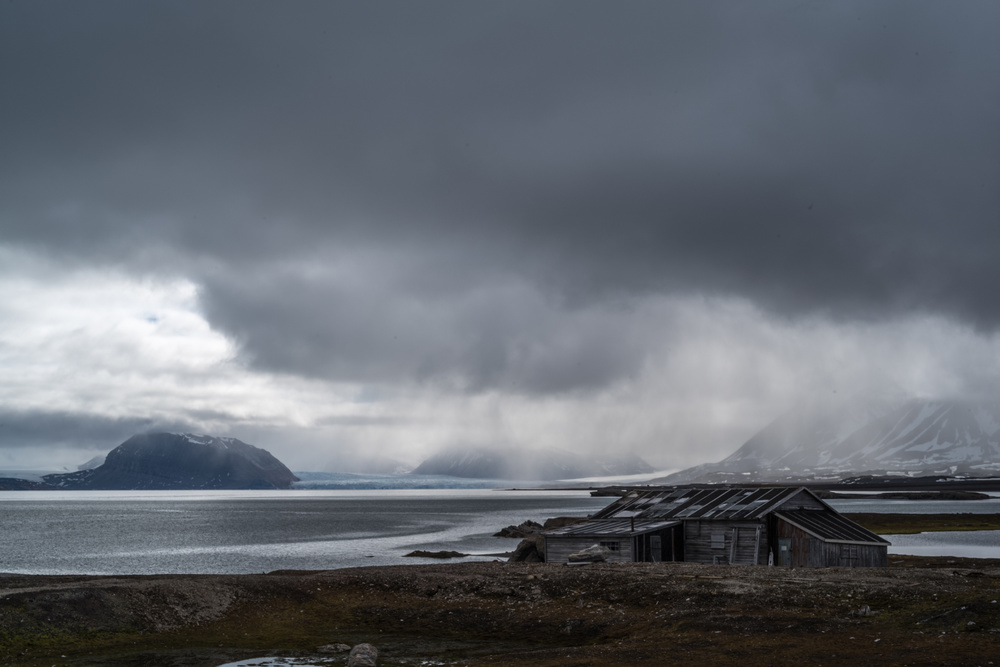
x=804 y=552
x=698 y=543
x=809 y=551
x=854 y=555
x=669 y=546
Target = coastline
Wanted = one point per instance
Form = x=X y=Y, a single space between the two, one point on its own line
x=920 y=610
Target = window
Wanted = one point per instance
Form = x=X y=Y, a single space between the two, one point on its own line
x=614 y=545
x=718 y=541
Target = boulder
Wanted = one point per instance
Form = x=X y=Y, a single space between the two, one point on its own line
x=523 y=530
x=594 y=554
x=530 y=550
x=362 y=655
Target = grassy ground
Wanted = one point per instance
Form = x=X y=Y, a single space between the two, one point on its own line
x=923 y=612
x=904 y=524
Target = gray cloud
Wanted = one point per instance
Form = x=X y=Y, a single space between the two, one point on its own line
x=79 y=430
x=376 y=329
x=484 y=197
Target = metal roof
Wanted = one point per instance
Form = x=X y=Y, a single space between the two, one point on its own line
x=611 y=527
x=830 y=527
x=737 y=503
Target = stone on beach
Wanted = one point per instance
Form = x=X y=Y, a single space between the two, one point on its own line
x=334 y=648
x=362 y=655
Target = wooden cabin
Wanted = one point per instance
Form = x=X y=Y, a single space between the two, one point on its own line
x=746 y=526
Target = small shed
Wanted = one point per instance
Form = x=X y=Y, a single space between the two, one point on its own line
x=735 y=525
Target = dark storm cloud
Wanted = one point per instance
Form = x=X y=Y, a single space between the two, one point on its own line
x=832 y=158
x=372 y=329
x=46 y=428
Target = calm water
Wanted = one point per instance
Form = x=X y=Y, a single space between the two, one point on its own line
x=967 y=544
x=143 y=532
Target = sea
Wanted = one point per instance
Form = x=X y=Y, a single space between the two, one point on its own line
x=209 y=532
x=188 y=532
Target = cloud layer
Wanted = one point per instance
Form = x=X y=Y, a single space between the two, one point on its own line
x=564 y=223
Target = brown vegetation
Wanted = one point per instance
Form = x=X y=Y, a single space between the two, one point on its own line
x=902 y=524
x=922 y=612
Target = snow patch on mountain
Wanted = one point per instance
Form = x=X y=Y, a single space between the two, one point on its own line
x=889 y=436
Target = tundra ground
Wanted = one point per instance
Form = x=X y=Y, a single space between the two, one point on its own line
x=918 y=611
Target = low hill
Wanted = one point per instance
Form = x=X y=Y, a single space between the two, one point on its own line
x=181 y=461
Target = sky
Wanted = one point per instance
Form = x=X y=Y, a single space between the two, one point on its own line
x=349 y=231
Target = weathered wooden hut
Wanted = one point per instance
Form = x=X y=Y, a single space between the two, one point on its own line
x=755 y=526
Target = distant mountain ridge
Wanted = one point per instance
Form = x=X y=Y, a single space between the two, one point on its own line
x=902 y=437
x=181 y=461
x=528 y=464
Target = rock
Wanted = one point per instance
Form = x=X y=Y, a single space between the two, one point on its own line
x=594 y=554
x=530 y=550
x=863 y=612
x=334 y=648
x=362 y=655
x=523 y=530
x=435 y=554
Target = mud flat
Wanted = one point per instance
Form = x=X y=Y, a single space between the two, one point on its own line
x=918 y=611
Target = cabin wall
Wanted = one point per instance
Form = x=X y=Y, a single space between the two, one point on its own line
x=670 y=546
x=809 y=551
x=799 y=544
x=712 y=542
x=854 y=555
x=558 y=549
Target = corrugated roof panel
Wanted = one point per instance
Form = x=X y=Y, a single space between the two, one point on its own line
x=610 y=527
x=830 y=526
x=738 y=503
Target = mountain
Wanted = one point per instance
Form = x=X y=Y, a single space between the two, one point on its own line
x=181 y=461
x=92 y=463
x=524 y=464
x=890 y=437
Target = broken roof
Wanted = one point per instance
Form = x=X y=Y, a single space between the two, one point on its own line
x=738 y=503
x=830 y=527
x=611 y=528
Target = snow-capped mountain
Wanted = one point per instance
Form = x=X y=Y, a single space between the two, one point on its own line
x=910 y=437
x=525 y=464
x=181 y=461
